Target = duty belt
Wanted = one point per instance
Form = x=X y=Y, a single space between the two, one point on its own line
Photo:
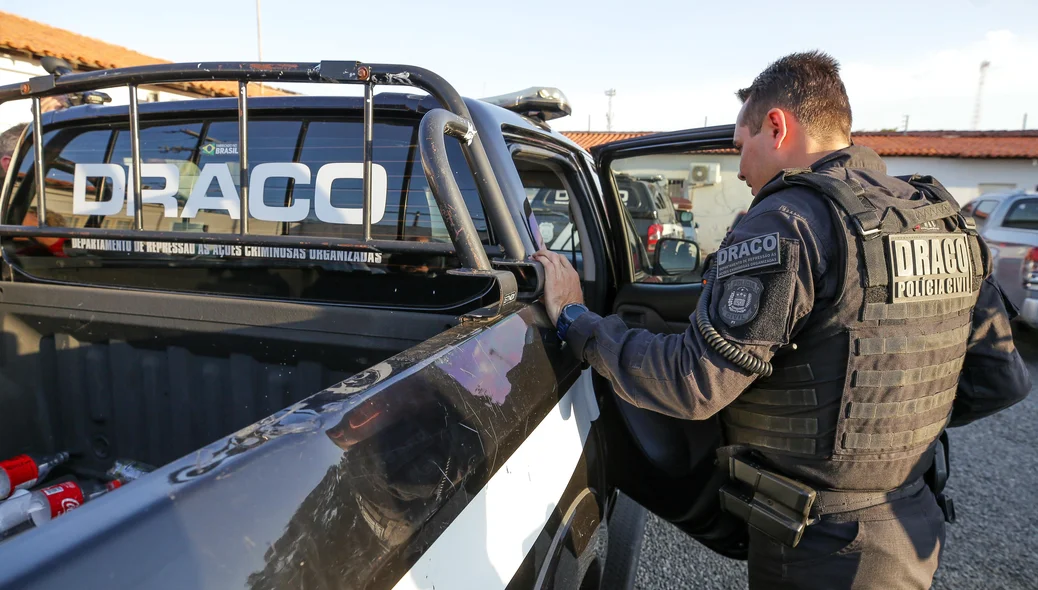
x=833 y=502
x=782 y=508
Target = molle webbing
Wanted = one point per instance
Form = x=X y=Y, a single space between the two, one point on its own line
x=893 y=440
x=793 y=374
x=910 y=344
x=776 y=424
x=901 y=409
x=902 y=377
x=917 y=309
x=803 y=446
x=780 y=397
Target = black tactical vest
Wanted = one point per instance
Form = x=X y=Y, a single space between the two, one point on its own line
x=860 y=398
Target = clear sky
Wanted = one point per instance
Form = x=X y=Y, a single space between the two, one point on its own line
x=674 y=64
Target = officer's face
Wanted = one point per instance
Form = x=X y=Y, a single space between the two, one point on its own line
x=757 y=158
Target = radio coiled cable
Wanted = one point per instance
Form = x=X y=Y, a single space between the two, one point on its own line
x=729 y=351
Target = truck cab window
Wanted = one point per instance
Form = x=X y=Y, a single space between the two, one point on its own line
x=305 y=180
x=77 y=148
x=550 y=192
x=1022 y=215
x=982 y=211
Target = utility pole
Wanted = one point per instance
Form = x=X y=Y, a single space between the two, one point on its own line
x=589 y=123
x=980 y=87
x=1024 y=128
x=259 y=32
x=905 y=122
x=609 y=113
x=259 y=38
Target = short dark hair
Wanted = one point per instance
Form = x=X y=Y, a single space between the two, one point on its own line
x=809 y=86
x=9 y=139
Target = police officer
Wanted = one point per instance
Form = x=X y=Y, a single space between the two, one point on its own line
x=848 y=319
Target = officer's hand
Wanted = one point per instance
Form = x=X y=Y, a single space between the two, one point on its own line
x=53 y=103
x=561 y=283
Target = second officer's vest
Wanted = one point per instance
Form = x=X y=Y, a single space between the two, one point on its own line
x=861 y=398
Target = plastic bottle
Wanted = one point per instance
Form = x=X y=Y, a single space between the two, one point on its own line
x=53 y=501
x=127 y=470
x=24 y=471
x=14 y=511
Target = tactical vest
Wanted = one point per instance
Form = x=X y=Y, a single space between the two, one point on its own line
x=859 y=399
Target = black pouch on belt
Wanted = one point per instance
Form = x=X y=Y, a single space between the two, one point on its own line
x=776 y=505
x=937 y=477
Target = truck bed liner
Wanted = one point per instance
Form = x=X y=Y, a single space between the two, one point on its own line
x=107 y=373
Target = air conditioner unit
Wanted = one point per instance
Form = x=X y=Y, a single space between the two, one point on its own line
x=700 y=174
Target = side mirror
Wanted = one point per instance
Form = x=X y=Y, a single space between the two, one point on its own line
x=59 y=67
x=674 y=256
x=55 y=65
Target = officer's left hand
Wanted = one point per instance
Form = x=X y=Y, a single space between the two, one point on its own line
x=53 y=103
x=561 y=283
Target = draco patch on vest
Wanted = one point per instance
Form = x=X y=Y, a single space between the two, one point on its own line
x=741 y=300
x=929 y=266
x=758 y=252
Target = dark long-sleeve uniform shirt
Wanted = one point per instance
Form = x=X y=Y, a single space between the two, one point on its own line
x=682 y=376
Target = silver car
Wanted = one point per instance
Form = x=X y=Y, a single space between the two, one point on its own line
x=1009 y=224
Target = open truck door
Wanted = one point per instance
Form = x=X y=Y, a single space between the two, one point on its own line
x=665 y=464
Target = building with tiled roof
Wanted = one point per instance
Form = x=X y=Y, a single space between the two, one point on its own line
x=23 y=42
x=31 y=40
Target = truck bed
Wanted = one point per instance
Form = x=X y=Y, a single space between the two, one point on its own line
x=109 y=373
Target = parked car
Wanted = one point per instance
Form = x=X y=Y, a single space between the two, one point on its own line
x=682 y=206
x=1008 y=223
x=653 y=212
x=686 y=217
x=318 y=319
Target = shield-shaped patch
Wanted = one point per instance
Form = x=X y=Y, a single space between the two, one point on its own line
x=741 y=300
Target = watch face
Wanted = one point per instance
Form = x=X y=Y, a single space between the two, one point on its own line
x=568 y=311
x=572 y=311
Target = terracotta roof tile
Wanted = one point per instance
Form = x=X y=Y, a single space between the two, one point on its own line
x=944 y=144
x=589 y=139
x=23 y=36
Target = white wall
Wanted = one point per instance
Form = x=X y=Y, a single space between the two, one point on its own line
x=15 y=70
x=961 y=176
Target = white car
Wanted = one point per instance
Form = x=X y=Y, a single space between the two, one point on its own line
x=1008 y=223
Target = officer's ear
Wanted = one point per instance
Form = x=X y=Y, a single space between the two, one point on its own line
x=5 y=161
x=776 y=124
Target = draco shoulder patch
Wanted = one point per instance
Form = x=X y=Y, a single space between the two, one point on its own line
x=754 y=253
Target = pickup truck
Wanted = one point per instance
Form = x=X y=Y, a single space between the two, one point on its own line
x=319 y=319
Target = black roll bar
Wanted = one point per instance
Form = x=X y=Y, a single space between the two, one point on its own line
x=41 y=176
x=243 y=156
x=135 y=154
x=453 y=119
x=434 y=126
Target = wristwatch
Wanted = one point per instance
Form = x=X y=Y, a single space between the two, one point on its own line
x=569 y=313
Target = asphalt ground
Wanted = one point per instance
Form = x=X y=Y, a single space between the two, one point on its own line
x=994 y=484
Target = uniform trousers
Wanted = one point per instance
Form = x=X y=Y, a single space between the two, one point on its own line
x=895 y=545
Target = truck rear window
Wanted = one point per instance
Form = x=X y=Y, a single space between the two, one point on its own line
x=1022 y=215
x=305 y=180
